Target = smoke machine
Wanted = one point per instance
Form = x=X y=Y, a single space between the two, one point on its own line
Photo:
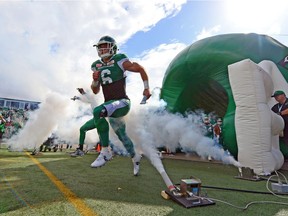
x=246 y=173
x=187 y=194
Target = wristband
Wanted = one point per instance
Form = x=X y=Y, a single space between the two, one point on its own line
x=146 y=84
x=94 y=83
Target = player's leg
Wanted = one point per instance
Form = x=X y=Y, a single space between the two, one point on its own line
x=119 y=127
x=89 y=125
x=102 y=126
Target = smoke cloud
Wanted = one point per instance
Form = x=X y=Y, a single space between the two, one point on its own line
x=150 y=126
x=41 y=123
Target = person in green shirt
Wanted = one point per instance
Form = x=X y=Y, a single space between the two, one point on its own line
x=109 y=72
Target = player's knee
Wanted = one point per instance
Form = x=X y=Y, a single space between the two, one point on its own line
x=103 y=113
x=99 y=112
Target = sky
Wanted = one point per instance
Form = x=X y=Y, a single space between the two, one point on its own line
x=47 y=46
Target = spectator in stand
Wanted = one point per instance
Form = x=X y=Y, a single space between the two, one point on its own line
x=2 y=126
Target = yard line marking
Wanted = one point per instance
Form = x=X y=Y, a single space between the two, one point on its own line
x=81 y=207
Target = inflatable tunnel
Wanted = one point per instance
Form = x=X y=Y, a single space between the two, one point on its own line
x=197 y=78
x=257 y=127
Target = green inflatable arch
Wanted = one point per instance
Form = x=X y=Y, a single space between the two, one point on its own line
x=197 y=78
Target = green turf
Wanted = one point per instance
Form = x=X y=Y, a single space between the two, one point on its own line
x=113 y=190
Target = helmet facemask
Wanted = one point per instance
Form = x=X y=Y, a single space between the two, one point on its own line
x=111 y=47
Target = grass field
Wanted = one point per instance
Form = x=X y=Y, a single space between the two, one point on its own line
x=57 y=184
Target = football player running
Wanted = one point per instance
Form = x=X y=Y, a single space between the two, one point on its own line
x=109 y=73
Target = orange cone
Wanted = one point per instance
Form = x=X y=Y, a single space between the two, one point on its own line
x=98 y=147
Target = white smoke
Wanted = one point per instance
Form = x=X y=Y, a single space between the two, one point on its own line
x=150 y=126
x=41 y=123
x=77 y=114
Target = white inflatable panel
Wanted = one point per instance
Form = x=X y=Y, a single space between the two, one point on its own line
x=252 y=88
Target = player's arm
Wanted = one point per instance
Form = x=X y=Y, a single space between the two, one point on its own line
x=284 y=112
x=137 y=68
x=95 y=85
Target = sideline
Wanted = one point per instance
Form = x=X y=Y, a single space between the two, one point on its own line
x=80 y=206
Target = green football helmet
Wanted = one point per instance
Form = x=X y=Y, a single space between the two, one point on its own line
x=111 y=45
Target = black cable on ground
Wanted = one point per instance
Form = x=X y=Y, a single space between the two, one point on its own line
x=240 y=190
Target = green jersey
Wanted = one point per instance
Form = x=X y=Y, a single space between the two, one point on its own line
x=2 y=127
x=112 y=77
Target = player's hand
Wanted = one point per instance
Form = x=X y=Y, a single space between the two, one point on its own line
x=81 y=91
x=75 y=98
x=96 y=75
x=146 y=96
x=147 y=93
